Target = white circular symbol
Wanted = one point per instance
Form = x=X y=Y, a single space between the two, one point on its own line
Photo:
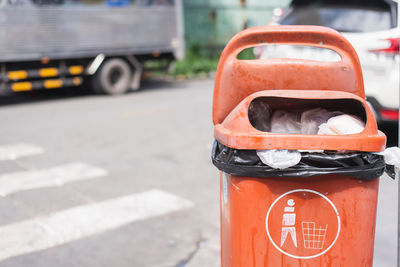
x=287 y=215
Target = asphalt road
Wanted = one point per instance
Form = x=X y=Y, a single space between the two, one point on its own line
x=88 y=180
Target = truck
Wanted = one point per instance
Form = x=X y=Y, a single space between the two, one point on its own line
x=47 y=44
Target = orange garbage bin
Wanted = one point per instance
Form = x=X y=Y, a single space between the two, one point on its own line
x=322 y=211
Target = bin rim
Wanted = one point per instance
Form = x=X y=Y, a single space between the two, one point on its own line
x=237 y=132
x=246 y=163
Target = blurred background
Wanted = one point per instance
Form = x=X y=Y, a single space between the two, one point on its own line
x=106 y=122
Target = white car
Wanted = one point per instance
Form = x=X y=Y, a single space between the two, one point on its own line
x=370 y=26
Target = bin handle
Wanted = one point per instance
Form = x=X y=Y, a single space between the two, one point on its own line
x=314 y=36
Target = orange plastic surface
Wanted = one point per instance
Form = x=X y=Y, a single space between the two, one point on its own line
x=237 y=132
x=317 y=221
x=238 y=82
x=244 y=237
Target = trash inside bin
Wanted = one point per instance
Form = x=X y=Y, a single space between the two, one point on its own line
x=302 y=119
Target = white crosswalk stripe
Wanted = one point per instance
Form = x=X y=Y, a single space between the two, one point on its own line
x=73 y=224
x=76 y=223
x=15 y=151
x=55 y=176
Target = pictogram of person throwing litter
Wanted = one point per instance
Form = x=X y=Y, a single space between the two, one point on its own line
x=288 y=223
x=297 y=223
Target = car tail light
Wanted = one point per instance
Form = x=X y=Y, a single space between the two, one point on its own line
x=390 y=114
x=392 y=49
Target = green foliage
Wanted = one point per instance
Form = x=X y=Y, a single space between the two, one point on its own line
x=198 y=62
x=247 y=54
x=155 y=64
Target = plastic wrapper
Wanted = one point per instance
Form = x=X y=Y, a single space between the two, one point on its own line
x=279 y=159
x=312 y=121
x=391 y=156
x=360 y=165
x=313 y=118
x=342 y=124
x=285 y=122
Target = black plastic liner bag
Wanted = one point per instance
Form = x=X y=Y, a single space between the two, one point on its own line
x=361 y=165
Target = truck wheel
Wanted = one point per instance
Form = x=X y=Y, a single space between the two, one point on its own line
x=113 y=78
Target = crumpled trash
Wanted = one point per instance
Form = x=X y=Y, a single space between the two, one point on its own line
x=285 y=122
x=342 y=124
x=279 y=159
x=312 y=121
x=313 y=118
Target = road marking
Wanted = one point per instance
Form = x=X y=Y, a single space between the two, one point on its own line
x=14 y=151
x=76 y=223
x=55 y=176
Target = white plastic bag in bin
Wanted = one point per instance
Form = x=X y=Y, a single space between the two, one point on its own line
x=312 y=121
x=313 y=118
x=342 y=124
x=279 y=159
x=392 y=157
x=285 y=122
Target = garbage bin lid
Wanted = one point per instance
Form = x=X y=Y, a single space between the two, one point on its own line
x=237 y=79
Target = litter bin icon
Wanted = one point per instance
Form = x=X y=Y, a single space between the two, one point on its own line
x=322 y=210
x=313 y=237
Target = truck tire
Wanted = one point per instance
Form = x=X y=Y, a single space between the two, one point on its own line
x=113 y=78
